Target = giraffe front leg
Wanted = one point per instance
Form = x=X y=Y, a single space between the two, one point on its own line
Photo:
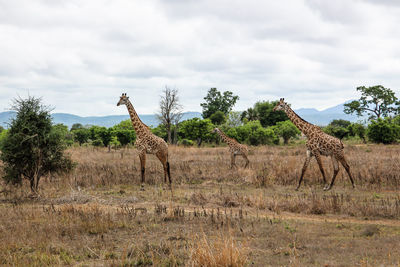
x=233 y=164
x=321 y=168
x=306 y=162
x=142 y=157
x=247 y=161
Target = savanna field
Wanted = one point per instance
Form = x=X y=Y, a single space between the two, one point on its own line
x=213 y=216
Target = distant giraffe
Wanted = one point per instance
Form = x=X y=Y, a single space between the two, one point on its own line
x=234 y=148
x=146 y=141
x=318 y=143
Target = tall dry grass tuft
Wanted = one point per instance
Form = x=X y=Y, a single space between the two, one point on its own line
x=222 y=251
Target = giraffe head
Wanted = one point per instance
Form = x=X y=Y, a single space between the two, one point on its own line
x=123 y=100
x=215 y=130
x=281 y=105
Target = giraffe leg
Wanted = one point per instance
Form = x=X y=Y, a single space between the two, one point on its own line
x=335 y=172
x=233 y=157
x=247 y=160
x=347 y=167
x=142 y=157
x=308 y=158
x=321 y=168
x=163 y=159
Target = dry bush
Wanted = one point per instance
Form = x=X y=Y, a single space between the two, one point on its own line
x=222 y=251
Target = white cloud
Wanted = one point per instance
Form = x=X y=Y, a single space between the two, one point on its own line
x=81 y=55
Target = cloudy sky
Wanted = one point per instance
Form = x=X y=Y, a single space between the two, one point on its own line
x=79 y=56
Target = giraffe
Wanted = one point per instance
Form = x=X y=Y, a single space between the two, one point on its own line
x=146 y=141
x=235 y=148
x=318 y=143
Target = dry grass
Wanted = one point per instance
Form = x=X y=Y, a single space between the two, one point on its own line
x=98 y=216
x=222 y=251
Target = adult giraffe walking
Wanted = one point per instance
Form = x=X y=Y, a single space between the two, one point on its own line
x=318 y=143
x=147 y=142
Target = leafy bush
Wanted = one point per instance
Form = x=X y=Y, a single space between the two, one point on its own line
x=186 y=142
x=33 y=147
x=81 y=135
x=383 y=131
x=218 y=118
x=254 y=134
x=286 y=130
x=357 y=129
x=197 y=130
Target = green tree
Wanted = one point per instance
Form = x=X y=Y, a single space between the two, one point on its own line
x=217 y=101
x=32 y=147
x=376 y=101
x=67 y=136
x=249 y=115
x=338 y=128
x=100 y=136
x=357 y=129
x=286 y=130
x=124 y=136
x=76 y=126
x=81 y=135
x=124 y=132
x=218 y=118
x=340 y=123
x=263 y=111
x=383 y=131
x=254 y=134
x=197 y=130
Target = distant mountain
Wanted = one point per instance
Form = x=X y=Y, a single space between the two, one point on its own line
x=107 y=121
x=311 y=115
x=324 y=117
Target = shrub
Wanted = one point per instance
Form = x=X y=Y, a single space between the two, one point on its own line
x=286 y=130
x=33 y=147
x=218 y=118
x=383 y=131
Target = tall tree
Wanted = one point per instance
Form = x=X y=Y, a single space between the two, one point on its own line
x=217 y=101
x=170 y=110
x=33 y=147
x=377 y=101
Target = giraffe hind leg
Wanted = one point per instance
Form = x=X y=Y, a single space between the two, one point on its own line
x=142 y=157
x=306 y=162
x=335 y=172
x=233 y=157
x=347 y=168
x=163 y=157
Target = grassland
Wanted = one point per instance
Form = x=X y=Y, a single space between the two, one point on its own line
x=97 y=216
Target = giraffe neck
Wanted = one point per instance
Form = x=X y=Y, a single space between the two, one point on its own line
x=137 y=123
x=224 y=137
x=304 y=126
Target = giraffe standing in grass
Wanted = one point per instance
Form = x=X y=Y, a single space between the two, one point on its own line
x=234 y=148
x=318 y=143
x=147 y=142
